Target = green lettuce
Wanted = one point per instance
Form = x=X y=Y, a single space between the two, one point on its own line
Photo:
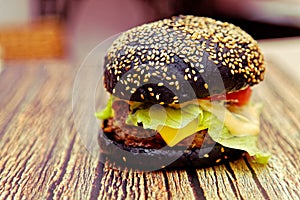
x=107 y=112
x=155 y=116
x=221 y=134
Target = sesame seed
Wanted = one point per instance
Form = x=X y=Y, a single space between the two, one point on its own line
x=206 y=155
x=157 y=97
x=206 y=85
x=132 y=90
x=222 y=150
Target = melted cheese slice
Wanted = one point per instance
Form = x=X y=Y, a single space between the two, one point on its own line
x=173 y=136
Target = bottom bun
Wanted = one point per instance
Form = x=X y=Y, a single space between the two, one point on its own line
x=121 y=156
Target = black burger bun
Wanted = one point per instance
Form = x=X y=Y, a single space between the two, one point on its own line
x=122 y=156
x=183 y=58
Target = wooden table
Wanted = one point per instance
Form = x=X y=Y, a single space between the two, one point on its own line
x=42 y=155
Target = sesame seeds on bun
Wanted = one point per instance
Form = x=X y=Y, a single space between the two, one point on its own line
x=157 y=58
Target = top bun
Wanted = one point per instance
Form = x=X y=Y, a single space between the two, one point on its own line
x=179 y=59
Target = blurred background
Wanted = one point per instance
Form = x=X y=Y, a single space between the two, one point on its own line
x=69 y=29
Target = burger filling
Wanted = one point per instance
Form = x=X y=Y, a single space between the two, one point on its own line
x=231 y=120
x=118 y=130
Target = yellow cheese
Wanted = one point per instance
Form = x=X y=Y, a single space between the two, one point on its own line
x=173 y=136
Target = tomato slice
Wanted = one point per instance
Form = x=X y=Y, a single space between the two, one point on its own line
x=239 y=98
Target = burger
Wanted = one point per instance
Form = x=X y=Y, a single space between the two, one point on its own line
x=180 y=95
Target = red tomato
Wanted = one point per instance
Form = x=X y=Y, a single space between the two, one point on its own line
x=240 y=97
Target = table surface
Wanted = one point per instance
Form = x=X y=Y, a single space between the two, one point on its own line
x=42 y=155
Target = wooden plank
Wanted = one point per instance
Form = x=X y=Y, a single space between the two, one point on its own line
x=141 y=185
x=231 y=181
x=41 y=156
x=280 y=124
x=182 y=185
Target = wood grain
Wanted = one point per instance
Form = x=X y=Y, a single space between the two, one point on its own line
x=42 y=156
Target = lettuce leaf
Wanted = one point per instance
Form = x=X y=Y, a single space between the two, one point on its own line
x=107 y=112
x=220 y=134
x=156 y=115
